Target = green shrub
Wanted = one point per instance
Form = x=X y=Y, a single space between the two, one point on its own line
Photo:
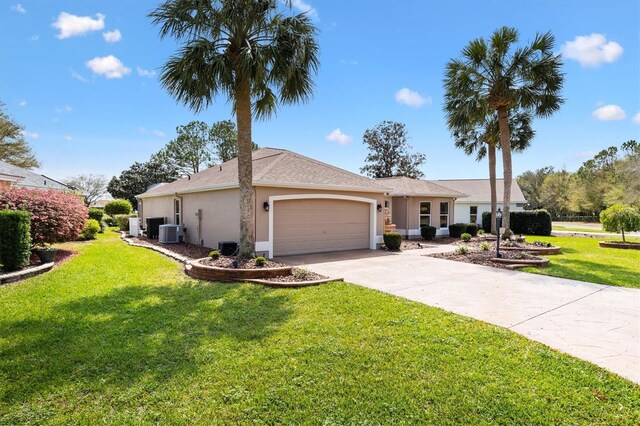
x=484 y=246
x=620 y=218
x=462 y=249
x=480 y=231
x=486 y=222
x=109 y=220
x=15 y=239
x=215 y=254
x=122 y=221
x=466 y=237
x=457 y=229
x=103 y=226
x=96 y=214
x=118 y=207
x=472 y=229
x=528 y=222
x=428 y=232
x=302 y=274
x=392 y=240
x=91 y=228
x=261 y=261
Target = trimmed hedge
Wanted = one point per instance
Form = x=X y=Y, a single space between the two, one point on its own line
x=392 y=240
x=457 y=229
x=116 y=207
x=15 y=239
x=428 y=232
x=472 y=229
x=528 y=222
x=96 y=214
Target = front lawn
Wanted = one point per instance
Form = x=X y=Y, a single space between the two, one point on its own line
x=120 y=335
x=582 y=259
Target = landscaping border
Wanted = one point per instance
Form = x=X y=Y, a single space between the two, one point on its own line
x=196 y=269
x=619 y=245
x=166 y=252
x=536 y=250
x=523 y=262
x=23 y=274
x=292 y=284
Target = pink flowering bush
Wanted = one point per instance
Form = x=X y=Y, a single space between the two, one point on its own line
x=55 y=216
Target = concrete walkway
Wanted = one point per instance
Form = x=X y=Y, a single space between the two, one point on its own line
x=597 y=323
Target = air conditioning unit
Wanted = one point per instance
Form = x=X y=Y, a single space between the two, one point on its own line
x=169 y=234
x=134 y=226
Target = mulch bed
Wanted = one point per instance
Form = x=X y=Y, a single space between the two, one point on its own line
x=296 y=277
x=409 y=245
x=227 y=262
x=191 y=251
x=62 y=256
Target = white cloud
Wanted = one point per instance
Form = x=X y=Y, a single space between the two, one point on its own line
x=348 y=62
x=64 y=108
x=67 y=137
x=72 y=25
x=636 y=118
x=109 y=66
x=34 y=37
x=592 y=50
x=305 y=7
x=18 y=8
x=142 y=130
x=78 y=77
x=112 y=36
x=609 y=113
x=32 y=135
x=159 y=133
x=411 y=98
x=581 y=155
x=23 y=103
x=145 y=73
x=337 y=136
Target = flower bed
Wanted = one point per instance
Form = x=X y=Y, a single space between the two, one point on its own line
x=619 y=244
x=202 y=269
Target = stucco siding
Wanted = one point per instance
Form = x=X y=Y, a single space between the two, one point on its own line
x=220 y=217
x=400 y=215
x=157 y=207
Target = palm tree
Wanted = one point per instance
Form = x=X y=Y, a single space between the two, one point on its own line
x=484 y=139
x=498 y=77
x=247 y=52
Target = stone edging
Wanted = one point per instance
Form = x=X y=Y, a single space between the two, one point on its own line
x=196 y=269
x=522 y=262
x=292 y=284
x=169 y=253
x=536 y=250
x=13 y=277
x=620 y=245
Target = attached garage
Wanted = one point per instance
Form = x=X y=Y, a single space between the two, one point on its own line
x=303 y=226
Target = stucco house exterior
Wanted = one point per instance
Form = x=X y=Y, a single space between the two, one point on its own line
x=302 y=205
x=11 y=175
x=416 y=203
x=469 y=209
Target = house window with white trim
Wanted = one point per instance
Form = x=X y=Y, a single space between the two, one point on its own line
x=444 y=214
x=473 y=214
x=176 y=210
x=425 y=213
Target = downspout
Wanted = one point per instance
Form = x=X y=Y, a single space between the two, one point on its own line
x=406 y=219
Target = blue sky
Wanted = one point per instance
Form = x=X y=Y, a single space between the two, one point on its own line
x=82 y=77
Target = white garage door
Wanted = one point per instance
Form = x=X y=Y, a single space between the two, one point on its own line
x=319 y=225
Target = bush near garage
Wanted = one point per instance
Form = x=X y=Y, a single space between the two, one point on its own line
x=428 y=232
x=392 y=240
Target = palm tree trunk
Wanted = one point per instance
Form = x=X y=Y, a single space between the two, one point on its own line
x=505 y=143
x=492 y=183
x=245 y=170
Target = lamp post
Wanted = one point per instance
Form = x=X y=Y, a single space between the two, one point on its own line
x=498 y=225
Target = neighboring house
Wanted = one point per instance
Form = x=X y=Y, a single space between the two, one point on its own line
x=11 y=175
x=301 y=205
x=470 y=208
x=99 y=204
x=416 y=203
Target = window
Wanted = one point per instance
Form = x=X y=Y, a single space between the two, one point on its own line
x=425 y=213
x=176 y=210
x=444 y=214
x=473 y=214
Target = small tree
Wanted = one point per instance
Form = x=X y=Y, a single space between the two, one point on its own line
x=139 y=177
x=13 y=148
x=92 y=187
x=389 y=152
x=223 y=137
x=115 y=207
x=620 y=218
x=188 y=153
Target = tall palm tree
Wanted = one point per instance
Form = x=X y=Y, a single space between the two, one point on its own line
x=247 y=52
x=497 y=76
x=485 y=138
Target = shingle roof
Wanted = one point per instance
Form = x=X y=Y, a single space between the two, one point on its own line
x=272 y=167
x=28 y=179
x=402 y=185
x=479 y=190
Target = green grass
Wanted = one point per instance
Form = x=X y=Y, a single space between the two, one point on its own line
x=119 y=335
x=582 y=259
x=577 y=229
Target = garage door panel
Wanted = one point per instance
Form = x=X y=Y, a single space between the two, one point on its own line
x=320 y=225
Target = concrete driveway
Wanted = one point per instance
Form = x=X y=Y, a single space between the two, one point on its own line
x=597 y=323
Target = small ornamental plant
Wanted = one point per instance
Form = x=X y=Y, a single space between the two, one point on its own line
x=261 y=261
x=620 y=218
x=466 y=237
x=91 y=228
x=301 y=273
x=215 y=254
x=484 y=246
x=392 y=240
x=462 y=249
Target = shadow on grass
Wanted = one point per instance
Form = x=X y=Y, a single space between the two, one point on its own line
x=133 y=333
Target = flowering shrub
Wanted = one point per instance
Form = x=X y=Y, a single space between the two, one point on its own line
x=55 y=216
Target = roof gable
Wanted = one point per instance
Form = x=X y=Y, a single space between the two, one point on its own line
x=28 y=179
x=402 y=185
x=479 y=190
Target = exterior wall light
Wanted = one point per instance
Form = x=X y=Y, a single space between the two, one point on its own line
x=379 y=208
x=498 y=225
x=265 y=206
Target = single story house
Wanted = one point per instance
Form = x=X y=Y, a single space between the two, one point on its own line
x=301 y=205
x=478 y=200
x=11 y=175
x=416 y=203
